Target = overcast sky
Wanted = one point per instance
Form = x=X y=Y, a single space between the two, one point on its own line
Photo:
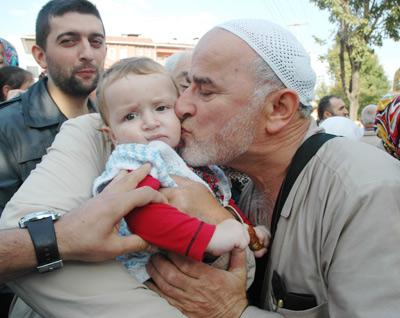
x=185 y=20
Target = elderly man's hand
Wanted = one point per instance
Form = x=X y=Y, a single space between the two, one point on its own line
x=196 y=200
x=89 y=232
x=200 y=290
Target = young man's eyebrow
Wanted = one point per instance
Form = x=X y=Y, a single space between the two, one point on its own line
x=95 y=34
x=71 y=33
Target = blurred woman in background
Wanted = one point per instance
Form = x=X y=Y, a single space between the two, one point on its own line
x=8 y=54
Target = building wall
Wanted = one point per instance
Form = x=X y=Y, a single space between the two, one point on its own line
x=118 y=47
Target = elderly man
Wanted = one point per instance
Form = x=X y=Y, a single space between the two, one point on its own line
x=368 y=120
x=178 y=65
x=247 y=108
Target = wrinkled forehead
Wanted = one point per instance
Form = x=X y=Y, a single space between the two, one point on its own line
x=221 y=49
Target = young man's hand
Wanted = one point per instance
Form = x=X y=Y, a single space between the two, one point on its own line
x=89 y=232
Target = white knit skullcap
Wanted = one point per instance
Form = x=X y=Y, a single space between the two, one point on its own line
x=280 y=50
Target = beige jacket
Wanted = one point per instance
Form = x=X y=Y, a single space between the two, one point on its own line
x=370 y=137
x=61 y=182
x=77 y=290
x=338 y=236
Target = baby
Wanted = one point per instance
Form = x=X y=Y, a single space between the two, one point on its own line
x=136 y=98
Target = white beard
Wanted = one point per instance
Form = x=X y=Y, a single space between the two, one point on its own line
x=233 y=140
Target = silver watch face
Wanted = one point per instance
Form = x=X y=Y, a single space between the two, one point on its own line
x=38 y=216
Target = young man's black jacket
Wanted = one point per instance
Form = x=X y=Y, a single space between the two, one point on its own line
x=28 y=126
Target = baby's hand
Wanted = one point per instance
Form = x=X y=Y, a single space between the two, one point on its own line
x=228 y=235
x=263 y=236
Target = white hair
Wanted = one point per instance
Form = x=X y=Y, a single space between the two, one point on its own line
x=173 y=60
x=267 y=82
x=368 y=114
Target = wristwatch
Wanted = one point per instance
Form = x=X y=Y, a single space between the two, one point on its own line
x=41 y=229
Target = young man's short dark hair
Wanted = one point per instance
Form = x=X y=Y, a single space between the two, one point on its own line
x=56 y=8
x=324 y=105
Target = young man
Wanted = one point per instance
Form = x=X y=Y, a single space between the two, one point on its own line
x=331 y=105
x=246 y=109
x=17 y=255
x=70 y=47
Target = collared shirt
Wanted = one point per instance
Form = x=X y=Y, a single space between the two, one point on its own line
x=63 y=181
x=338 y=236
x=28 y=125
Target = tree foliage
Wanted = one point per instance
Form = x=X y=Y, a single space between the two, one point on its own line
x=373 y=81
x=361 y=24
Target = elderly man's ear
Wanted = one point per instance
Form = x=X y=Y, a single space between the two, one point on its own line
x=280 y=108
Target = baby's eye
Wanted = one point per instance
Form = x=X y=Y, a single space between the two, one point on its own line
x=162 y=108
x=131 y=116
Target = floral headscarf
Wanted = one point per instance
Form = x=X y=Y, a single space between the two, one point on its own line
x=388 y=125
x=10 y=54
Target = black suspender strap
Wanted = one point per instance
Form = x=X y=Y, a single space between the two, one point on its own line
x=302 y=156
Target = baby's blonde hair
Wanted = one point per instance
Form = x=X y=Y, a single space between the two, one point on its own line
x=120 y=69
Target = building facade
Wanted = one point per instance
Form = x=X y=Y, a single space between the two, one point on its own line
x=118 y=47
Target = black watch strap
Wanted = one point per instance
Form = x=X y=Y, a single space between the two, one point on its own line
x=45 y=242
